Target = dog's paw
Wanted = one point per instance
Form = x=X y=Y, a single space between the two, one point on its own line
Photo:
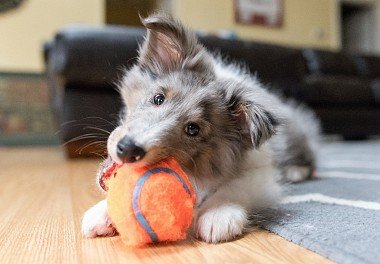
x=221 y=223
x=96 y=222
x=297 y=173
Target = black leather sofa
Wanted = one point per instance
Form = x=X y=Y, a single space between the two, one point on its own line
x=83 y=63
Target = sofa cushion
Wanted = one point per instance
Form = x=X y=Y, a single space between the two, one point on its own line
x=269 y=62
x=349 y=121
x=375 y=85
x=372 y=66
x=326 y=62
x=91 y=56
x=337 y=90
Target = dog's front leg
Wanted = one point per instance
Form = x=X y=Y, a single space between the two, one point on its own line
x=224 y=215
x=96 y=221
x=220 y=218
x=221 y=222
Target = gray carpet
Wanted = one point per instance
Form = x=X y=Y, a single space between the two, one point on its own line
x=336 y=215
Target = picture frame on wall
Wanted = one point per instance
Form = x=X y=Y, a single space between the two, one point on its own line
x=6 y=5
x=259 y=12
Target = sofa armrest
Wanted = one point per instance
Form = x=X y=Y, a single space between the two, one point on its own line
x=87 y=56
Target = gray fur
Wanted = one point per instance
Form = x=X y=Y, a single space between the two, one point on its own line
x=295 y=144
x=234 y=112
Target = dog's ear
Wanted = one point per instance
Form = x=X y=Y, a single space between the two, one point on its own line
x=256 y=123
x=169 y=46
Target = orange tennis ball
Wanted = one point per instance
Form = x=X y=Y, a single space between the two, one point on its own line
x=150 y=204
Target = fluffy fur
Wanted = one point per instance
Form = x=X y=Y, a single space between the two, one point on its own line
x=248 y=139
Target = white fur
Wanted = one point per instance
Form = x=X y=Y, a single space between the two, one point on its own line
x=221 y=223
x=297 y=173
x=96 y=221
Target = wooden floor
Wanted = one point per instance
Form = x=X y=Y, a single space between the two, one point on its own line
x=43 y=197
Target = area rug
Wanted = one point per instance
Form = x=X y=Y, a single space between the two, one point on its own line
x=336 y=215
x=25 y=114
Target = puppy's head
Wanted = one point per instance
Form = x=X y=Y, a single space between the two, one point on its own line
x=176 y=105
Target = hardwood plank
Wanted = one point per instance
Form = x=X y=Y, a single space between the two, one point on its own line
x=36 y=213
x=43 y=197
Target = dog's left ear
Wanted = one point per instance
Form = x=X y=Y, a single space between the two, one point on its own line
x=169 y=47
x=256 y=123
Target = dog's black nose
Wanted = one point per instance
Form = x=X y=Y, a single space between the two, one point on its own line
x=128 y=151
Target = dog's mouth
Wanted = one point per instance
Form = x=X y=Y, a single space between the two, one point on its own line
x=108 y=166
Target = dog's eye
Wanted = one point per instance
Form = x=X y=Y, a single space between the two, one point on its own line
x=192 y=129
x=159 y=99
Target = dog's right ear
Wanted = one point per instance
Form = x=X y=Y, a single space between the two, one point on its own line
x=256 y=122
x=169 y=47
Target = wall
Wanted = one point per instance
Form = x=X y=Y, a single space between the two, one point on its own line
x=312 y=23
x=23 y=31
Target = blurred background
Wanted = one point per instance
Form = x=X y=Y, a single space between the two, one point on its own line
x=32 y=110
